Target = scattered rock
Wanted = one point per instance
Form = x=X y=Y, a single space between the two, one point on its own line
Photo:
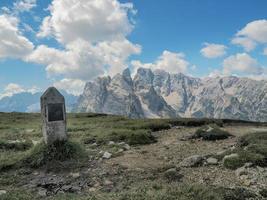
x=120 y=151
x=108 y=182
x=231 y=156
x=221 y=152
x=241 y=171
x=92 y=189
x=126 y=147
x=110 y=143
x=121 y=143
x=35 y=173
x=75 y=175
x=42 y=192
x=107 y=155
x=212 y=161
x=172 y=174
x=192 y=161
x=2 y=192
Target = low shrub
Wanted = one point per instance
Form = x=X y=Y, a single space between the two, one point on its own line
x=8 y=159
x=242 y=158
x=16 y=145
x=132 y=137
x=211 y=133
x=43 y=154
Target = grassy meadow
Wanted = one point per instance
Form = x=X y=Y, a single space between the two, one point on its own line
x=24 y=157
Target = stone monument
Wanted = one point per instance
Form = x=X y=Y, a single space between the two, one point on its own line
x=53 y=113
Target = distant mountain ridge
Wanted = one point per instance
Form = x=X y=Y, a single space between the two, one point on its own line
x=154 y=94
x=30 y=102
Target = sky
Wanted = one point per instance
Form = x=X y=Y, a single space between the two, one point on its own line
x=66 y=43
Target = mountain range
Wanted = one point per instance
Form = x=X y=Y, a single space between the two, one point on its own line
x=159 y=94
x=30 y=102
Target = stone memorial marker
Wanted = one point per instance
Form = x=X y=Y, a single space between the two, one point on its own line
x=53 y=113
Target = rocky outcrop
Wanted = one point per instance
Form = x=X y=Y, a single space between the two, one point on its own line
x=113 y=96
x=154 y=94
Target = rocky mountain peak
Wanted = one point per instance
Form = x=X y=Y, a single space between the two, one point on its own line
x=161 y=94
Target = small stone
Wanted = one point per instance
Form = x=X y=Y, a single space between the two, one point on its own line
x=212 y=161
x=221 y=153
x=172 y=174
x=110 y=143
x=75 y=189
x=248 y=165
x=120 y=151
x=2 y=192
x=75 y=175
x=233 y=155
x=126 y=147
x=92 y=189
x=121 y=143
x=42 y=192
x=94 y=144
x=247 y=182
x=107 y=155
x=35 y=173
x=192 y=161
x=241 y=171
x=108 y=182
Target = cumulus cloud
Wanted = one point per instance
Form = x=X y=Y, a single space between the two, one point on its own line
x=213 y=50
x=94 y=37
x=72 y=86
x=88 y=20
x=247 y=43
x=253 y=33
x=81 y=60
x=77 y=63
x=14 y=88
x=168 y=61
x=24 y=5
x=242 y=63
x=12 y=43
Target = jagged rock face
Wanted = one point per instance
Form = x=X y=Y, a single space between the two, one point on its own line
x=160 y=94
x=152 y=102
x=112 y=96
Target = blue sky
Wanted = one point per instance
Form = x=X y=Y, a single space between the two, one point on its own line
x=214 y=37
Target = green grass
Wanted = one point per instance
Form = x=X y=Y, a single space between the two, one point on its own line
x=19 y=159
x=211 y=132
x=251 y=148
x=15 y=145
x=43 y=154
x=165 y=191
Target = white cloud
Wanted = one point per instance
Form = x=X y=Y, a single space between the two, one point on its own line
x=242 y=63
x=81 y=60
x=93 y=34
x=94 y=20
x=265 y=51
x=12 y=43
x=24 y=5
x=247 y=43
x=168 y=61
x=14 y=88
x=72 y=86
x=253 y=33
x=213 y=50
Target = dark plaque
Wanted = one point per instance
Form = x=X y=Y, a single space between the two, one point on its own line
x=55 y=112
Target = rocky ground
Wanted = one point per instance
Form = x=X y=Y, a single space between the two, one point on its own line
x=116 y=167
